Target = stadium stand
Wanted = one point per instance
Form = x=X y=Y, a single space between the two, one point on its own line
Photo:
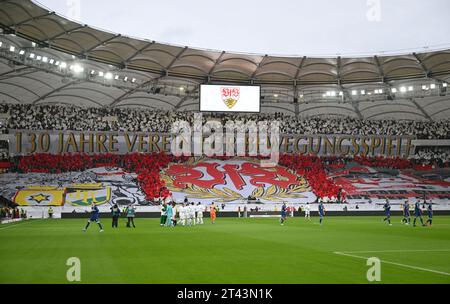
x=53 y=117
x=58 y=75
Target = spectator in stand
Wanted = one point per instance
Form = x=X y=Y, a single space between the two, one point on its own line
x=58 y=117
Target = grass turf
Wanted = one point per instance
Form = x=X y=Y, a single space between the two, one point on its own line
x=231 y=251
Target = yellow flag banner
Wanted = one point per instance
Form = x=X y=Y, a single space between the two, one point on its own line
x=85 y=195
x=40 y=196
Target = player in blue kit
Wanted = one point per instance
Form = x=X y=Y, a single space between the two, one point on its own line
x=417 y=214
x=94 y=217
x=321 y=212
x=387 y=211
x=283 y=214
x=430 y=213
x=406 y=216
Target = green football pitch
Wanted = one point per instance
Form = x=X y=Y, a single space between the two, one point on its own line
x=231 y=251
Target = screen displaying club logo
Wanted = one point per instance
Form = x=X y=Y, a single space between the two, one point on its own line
x=230 y=96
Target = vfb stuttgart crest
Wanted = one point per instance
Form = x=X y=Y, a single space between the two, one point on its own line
x=230 y=96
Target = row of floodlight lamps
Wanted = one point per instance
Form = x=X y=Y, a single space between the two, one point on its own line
x=76 y=68
x=402 y=89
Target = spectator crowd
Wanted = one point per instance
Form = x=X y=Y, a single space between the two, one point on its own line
x=58 y=117
x=65 y=117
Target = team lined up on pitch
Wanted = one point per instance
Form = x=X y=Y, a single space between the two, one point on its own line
x=185 y=214
x=189 y=214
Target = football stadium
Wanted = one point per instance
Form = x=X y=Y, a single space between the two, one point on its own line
x=128 y=160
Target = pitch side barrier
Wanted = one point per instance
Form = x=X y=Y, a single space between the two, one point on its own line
x=228 y=214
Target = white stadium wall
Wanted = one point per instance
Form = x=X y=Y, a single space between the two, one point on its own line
x=325 y=109
x=437 y=107
x=403 y=109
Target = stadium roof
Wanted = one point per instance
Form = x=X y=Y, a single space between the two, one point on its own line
x=29 y=20
x=167 y=76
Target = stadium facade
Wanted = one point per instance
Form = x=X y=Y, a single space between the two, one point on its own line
x=100 y=68
x=46 y=59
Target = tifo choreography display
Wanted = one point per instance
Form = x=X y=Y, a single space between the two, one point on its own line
x=133 y=161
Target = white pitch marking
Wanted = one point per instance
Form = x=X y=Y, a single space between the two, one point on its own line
x=400 y=250
x=20 y=224
x=397 y=264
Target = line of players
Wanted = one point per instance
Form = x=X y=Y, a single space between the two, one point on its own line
x=191 y=214
x=407 y=215
x=387 y=209
x=188 y=214
x=307 y=209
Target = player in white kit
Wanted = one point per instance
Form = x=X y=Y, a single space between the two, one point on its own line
x=307 y=211
x=200 y=209
x=192 y=212
x=182 y=212
x=187 y=214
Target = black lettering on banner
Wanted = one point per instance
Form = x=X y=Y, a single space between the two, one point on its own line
x=32 y=140
x=44 y=142
x=18 y=142
x=130 y=144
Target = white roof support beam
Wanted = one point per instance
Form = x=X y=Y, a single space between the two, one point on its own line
x=56 y=90
x=421 y=109
x=260 y=64
x=52 y=38
x=299 y=67
x=100 y=43
x=175 y=59
x=215 y=65
x=33 y=18
x=128 y=93
x=138 y=52
x=422 y=65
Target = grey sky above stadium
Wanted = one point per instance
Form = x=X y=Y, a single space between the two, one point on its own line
x=285 y=27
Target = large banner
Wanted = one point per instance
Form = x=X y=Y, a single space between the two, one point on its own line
x=235 y=181
x=364 y=183
x=104 y=186
x=40 y=196
x=229 y=182
x=86 y=194
x=26 y=142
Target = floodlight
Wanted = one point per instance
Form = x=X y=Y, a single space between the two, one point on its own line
x=77 y=68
